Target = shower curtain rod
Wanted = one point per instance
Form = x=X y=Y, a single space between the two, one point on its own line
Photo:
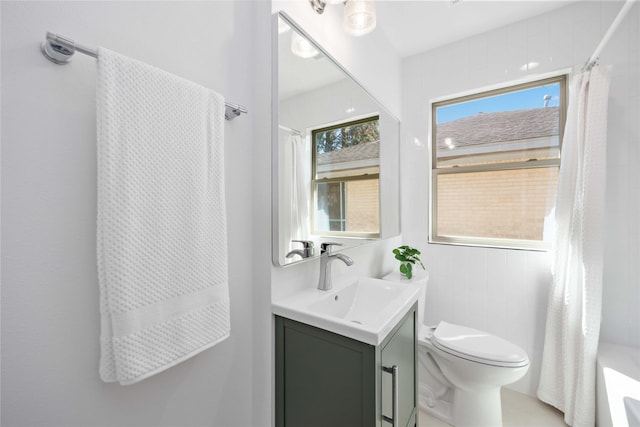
x=612 y=29
x=59 y=49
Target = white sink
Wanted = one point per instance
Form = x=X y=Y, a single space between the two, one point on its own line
x=361 y=308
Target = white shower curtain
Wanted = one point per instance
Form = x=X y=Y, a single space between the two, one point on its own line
x=300 y=183
x=567 y=379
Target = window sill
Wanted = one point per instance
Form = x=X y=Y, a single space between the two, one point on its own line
x=527 y=245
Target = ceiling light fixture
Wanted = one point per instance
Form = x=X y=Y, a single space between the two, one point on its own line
x=317 y=6
x=359 y=15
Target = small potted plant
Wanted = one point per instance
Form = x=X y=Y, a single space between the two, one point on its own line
x=407 y=256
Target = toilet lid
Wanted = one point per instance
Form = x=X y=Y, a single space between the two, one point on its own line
x=478 y=346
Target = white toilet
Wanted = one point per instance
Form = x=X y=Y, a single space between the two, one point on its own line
x=462 y=371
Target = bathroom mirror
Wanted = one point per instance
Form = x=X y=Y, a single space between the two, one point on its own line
x=335 y=153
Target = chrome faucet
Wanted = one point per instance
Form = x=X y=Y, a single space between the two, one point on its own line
x=326 y=258
x=306 y=252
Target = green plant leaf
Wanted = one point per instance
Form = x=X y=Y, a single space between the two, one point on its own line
x=408 y=256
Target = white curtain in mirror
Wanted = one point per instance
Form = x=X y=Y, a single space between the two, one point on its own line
x=295 y=183
x=301 y=160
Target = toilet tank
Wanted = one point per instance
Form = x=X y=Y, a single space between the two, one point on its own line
x=420 y=278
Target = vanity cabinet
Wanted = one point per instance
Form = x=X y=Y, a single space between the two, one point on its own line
x=325 y=379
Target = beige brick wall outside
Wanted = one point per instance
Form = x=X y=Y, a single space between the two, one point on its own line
x=509 y=204
x=363 y=206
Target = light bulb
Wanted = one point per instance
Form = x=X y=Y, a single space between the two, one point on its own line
x=359 y=17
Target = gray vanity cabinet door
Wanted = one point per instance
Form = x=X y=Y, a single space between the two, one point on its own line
x=328 y=380
x=401 y=352
x=322 y=379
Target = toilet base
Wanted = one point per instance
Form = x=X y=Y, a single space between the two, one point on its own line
x=435 y=393
x=483 y=408
x=440 y=408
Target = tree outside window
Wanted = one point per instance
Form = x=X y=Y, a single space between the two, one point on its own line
x=345 y=178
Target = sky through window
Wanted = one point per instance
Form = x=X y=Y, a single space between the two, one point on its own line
x=520 y=100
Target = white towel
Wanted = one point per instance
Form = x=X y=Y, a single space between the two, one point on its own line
x=162 y=244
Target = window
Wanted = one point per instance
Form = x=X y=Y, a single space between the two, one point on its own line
x=345 y=179
x=495 y=163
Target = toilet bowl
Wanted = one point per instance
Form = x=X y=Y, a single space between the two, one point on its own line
x=462 y=371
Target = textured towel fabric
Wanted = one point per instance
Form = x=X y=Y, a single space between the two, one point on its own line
x=161 y=227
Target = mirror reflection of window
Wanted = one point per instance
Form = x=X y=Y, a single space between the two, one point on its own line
x=345 y=178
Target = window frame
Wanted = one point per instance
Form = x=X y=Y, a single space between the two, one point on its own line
x=345 y=180
x=562 y=79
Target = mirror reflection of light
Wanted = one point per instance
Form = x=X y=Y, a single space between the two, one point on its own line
x=301 y=47
x=350 y=110
x=449 y=143
x=283 y=27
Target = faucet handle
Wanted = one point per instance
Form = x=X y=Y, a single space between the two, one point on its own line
x=326 y=247
x=307 y=244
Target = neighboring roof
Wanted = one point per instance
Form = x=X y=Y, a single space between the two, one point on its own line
x=502 y=126
x=365 y=151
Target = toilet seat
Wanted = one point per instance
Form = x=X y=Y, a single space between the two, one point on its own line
x=478 y=346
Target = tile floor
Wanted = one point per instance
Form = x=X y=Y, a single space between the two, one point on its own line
x=518 y=410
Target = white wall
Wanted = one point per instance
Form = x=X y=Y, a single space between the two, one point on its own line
x=50 y=321
x=259 y=257
x=621 y=294
x=505 y=291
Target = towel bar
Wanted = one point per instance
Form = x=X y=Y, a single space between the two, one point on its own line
x=59 y=50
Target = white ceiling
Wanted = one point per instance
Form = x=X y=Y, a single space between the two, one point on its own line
x=413 y=26
x=419 y=25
